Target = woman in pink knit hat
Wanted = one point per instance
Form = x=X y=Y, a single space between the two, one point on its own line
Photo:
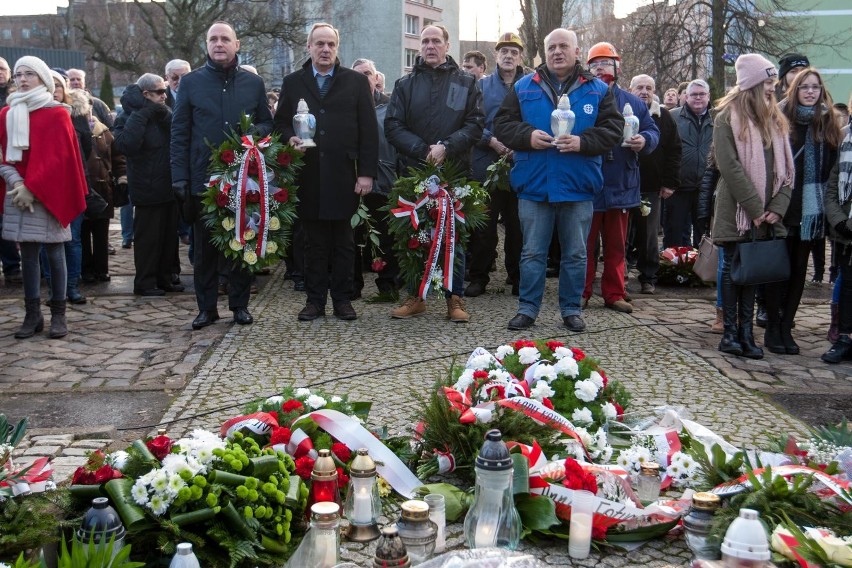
x=753 y=155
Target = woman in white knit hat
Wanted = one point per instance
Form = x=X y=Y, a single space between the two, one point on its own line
x=752 y=151
x=42 y=176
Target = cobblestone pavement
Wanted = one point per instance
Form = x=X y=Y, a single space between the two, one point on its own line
x=663 y=353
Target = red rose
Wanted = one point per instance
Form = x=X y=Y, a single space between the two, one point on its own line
x=554 y=345
x=222 y=199
x=342 y=478
x=280 y=436
x=253 y=197
x=413 y=243
x=292 y=405
x=227 y=156
x=160 y=446
x=577 y=478
x=578 y=354
x=284 y=159
x=281 y=196
x=304 y=467
x=433 y=213
x=341 y=452
x=104 y=474
x=253 y=168
x=82 y=476
x=378 y=264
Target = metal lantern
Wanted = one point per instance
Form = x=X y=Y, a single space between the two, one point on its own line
x=363 y=505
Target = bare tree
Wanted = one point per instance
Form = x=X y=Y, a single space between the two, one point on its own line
x=540 y=18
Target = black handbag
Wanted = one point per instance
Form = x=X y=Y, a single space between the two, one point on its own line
x=95 y=204
x=760 y=262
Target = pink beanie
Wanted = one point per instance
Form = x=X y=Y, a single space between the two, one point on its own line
x=752 y=70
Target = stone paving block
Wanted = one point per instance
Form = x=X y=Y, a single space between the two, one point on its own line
x=58 y=438
x=43 y=451
x=74 y=452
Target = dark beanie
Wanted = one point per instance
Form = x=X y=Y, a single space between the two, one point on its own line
x=791 y=61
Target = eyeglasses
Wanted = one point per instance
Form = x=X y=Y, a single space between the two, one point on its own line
x=697 y=95
x=157 y=91
x=28 y=74
x=598 y=64
x=814 y=88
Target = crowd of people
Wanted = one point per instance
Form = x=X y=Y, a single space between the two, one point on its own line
x=772 y=158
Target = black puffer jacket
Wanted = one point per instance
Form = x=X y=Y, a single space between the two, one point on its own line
x=142 y=135
x=212 y=101
x=431 y=105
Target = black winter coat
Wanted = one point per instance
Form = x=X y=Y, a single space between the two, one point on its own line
x=142 y=135
x=212 y=101
x=347 y=138
x=431 y=105
x=696 y=135
x=661 y=168
x=707 y=192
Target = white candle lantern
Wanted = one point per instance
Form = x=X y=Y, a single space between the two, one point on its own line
x=363 y=504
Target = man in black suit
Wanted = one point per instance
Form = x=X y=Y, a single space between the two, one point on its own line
x=336 y=173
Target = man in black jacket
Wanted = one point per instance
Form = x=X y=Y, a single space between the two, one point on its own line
x=212 y=101
x=336 y=173
x=435 y=113
x=659 y=174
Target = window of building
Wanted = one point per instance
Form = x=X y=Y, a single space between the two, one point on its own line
x=411 y=25
x=7 y=34
x=25 y=33
x=411 y=57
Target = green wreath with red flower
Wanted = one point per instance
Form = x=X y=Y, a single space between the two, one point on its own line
x=250 y=202
x=430 y=213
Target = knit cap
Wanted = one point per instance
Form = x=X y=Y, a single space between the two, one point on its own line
x=41 y=69
x=753 y=69
x=790 y=62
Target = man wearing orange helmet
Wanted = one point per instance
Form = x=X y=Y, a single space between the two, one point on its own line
x=621 y=184
x=556 y=178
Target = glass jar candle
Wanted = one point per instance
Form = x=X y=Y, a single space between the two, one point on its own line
x=648 y=482
x=697 y=523
x=417 y=532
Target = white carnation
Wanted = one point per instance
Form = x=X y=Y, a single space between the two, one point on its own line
x=567 y=366
x=582 y=415
x=481 y=362
x=596 y=378
x=542 y=390
x=585 y=390
x=118 y=459
x=609 y=411
x=504 y=351
x=500 y=375
x=528 y=355
x=335 y=399
x=543 y=371
x=584 y=435
x=562 y=353
x=315 y=401
x=302 y=392
x=464 y=381
x=276 y=400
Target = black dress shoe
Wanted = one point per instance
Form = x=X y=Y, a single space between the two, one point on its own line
x=299 y=285
x=520 y=321
x=175 y=278
x=173 y=287
x=149 y=292
x=105 y=277
x=356 y=295
x=76 y=299
x=242 y=316
x=516 y=290
x=110 y=250
x=205 y=318
x=474 y=289
x=311 y=312
x=574 y=323
x=345 y=311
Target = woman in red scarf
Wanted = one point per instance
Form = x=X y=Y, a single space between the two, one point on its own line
x=753 y=155
x=42 y=176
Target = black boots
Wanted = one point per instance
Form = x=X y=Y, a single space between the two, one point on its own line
x=58 y=325
x=790 y=345
x=746 y=331
x=730 y=341
x=33 y=320
x=840 y=351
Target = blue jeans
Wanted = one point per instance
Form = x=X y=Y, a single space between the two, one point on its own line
x=538 y=219
x=719 y=276
x=73 y=259
x=126 y=217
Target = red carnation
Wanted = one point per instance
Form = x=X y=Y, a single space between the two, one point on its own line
x=604 y=377
x=520 y=344
x=160 y=446
x=304 y=467
x=480 y=374
x=341 y=452
x=413 y=243
x=554 y=345
x=577 y=478
x=227 y=156
x=82 y=476
x=280 y=436
x=292 y=405
x=378 y=264
x=578 y=354
x=281 y=196
x=222 y=199
x=619 y=410
x=253 y=197
x=342 y=478
x=274 y=415
x=284 y=159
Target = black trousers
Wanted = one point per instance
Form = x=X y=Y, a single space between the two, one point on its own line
x=94 y=234
x=681 y=214
x=154 y=244
x=483 y=242
x=646 y=239
x=386 y=280
x=844 y=262
x=206 y=265
x=328 y=244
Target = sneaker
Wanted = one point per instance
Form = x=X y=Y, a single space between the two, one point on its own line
x=456 y=311
x=520 y=322
x=648 y=288
x=840 y=351
x=574 y=323
x=412 y=307
x=621 y=306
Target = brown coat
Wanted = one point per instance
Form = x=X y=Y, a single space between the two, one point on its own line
x=735 y=187
x=105 y=165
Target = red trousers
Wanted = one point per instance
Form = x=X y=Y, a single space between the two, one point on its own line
x=612 y=226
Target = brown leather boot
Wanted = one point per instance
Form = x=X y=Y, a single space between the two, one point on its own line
x=456 y=311
x=33 y=320
x=412 y=307
x=718 y=326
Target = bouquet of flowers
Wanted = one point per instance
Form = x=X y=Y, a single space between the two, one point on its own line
x=250 y=202
x=676 y=266
x=431 y=212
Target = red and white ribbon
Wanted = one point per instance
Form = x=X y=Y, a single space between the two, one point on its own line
x=409 y=209
x=540 y=413
x=253 y=152
x=260 y=423
x=445 y=237
x=835 y=485
x=34 y=480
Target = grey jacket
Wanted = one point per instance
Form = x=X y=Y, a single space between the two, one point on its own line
x=21 y=226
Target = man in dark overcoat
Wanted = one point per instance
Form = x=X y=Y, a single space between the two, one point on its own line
x=336 y=173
